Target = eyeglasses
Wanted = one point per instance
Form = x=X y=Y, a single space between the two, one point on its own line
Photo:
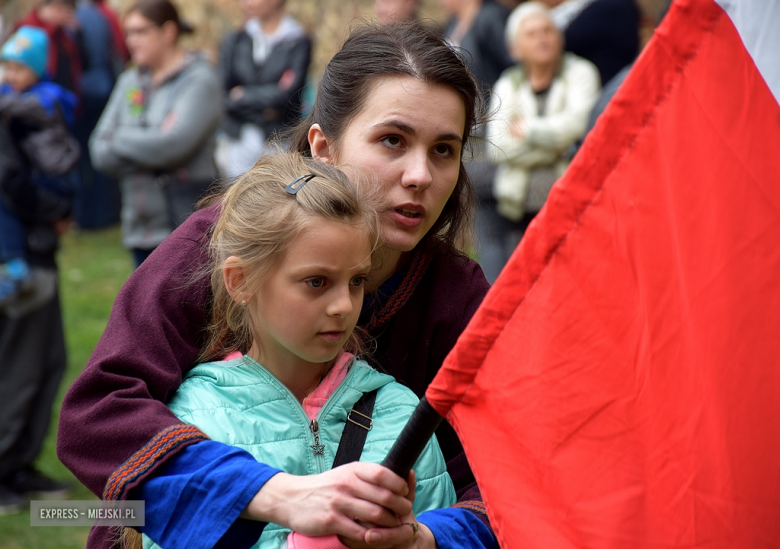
x=139 y=31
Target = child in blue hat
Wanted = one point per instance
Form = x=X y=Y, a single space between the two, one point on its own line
x=35 y=113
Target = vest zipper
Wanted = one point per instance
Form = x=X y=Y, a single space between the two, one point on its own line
x=316 y=448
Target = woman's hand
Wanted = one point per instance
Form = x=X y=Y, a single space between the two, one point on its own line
x=236 y=93
x=63 y=225
x=518 y=128
x=408 y=534
x=335 y=502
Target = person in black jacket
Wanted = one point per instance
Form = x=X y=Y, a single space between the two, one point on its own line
x=605 y=32
x=32 y=342
x=263 y=68
x=36 y=113
x=477 y=28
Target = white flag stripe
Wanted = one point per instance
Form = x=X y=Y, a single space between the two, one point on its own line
x=758 y=23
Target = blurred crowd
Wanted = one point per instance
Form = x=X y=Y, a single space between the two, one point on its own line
x=107 y=117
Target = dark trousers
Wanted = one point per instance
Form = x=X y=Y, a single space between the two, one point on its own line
x=97 y=200
x=497 y=237
x=32 y=363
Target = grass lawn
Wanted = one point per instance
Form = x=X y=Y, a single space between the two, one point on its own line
x=93 y=267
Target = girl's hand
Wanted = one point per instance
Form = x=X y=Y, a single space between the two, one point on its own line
x=334 y=502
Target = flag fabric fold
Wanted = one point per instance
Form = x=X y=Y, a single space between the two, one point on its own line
x=618 y=387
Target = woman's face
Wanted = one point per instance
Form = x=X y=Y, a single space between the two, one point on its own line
x=409 y=135
x=395 y=11
x=538 y=41
x=260 y=8
x=450 y=6
x=146 y=41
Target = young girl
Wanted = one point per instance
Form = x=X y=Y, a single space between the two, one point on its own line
x=291 y=251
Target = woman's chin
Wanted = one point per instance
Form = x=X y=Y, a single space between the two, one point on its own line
x=401 y=241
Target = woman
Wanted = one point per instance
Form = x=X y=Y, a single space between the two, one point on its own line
x=477 y=26
x=264 y=68
x=373 y=112
x=540 y=108
x=156 y=134
x=64 y=64
x=97 y=202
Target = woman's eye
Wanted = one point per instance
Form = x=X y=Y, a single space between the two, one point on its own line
x=443 y=150
x=392 y=141
x=316 y=282
x=358 y=280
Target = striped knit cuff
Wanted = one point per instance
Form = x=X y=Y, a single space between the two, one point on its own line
x=476 y=507
x=164 y=443
x=408 y=285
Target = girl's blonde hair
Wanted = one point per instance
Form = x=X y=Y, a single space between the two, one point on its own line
x=258 y=220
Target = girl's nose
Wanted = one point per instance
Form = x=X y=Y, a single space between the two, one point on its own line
x=341 y=304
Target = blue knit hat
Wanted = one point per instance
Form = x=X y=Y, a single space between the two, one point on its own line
x=28 y=46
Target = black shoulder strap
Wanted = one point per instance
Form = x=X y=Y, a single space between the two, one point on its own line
x=358 y=425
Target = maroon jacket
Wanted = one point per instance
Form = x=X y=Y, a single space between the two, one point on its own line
x=115 y=429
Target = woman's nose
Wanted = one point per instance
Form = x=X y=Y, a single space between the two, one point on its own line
x=417 y=172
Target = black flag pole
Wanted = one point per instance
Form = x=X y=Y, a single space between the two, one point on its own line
x=413 y=438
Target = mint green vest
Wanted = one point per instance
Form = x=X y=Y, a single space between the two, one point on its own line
x=240 y=403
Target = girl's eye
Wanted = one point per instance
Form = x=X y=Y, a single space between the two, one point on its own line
x=358 y=281
x=392 y=141
x=443 y=149
x=316 y=282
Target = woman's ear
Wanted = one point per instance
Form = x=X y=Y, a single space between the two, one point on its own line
x=320 y=145
x=171 y=31
x=234 y=278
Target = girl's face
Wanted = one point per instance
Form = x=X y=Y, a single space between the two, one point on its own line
x=308 y=303
x=146 y=41
x=408 y=134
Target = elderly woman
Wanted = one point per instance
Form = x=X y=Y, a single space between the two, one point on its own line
x=539 y=108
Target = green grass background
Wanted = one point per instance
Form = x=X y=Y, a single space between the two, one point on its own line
x=93 y=267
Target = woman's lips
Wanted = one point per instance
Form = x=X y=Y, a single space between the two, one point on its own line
x=408 y=215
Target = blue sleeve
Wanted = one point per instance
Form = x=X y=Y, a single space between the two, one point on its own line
x=196 y=497
x=456 y=528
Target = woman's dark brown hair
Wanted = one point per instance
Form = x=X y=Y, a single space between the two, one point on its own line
x=160 y=12
x=408 y=49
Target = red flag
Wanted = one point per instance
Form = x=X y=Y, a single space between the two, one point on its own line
x=619 y=386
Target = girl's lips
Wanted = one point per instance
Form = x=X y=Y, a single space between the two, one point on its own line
x=332 y=336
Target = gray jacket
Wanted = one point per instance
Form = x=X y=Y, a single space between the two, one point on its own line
x=148 y=133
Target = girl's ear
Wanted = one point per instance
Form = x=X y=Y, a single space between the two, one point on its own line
x=234 y=278
x=319 y=145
